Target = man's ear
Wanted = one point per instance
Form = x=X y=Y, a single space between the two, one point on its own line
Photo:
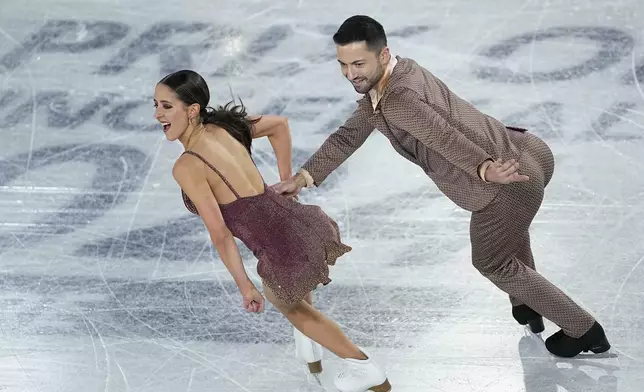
x=384 y=55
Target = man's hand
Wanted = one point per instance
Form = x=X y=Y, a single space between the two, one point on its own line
x=290 y=187
x=502 y=173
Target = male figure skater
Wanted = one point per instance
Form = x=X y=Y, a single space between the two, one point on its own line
x=496 y=172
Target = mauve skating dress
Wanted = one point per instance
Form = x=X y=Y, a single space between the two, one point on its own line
x=294 y=243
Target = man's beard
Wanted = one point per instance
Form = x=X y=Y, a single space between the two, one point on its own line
x=371 y=83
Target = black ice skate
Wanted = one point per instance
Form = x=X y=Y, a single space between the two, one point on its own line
x=525 y=315
x=565 y=346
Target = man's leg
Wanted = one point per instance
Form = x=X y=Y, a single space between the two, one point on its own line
x=524 y=255
x=501 y=251
x=539 y=151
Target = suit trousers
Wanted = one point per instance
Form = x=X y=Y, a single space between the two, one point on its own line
x=500 y=240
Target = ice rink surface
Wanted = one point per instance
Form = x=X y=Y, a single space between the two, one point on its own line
x=108 y=284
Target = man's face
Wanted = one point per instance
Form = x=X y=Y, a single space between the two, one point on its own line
x=362 y=67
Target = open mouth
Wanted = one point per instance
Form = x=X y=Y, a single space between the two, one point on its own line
x=166 y=126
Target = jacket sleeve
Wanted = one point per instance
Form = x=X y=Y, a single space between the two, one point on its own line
x=434 y=129
x=340 y=145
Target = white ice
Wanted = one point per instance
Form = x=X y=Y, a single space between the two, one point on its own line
x=108 y=284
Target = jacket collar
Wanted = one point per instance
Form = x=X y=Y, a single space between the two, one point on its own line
x=398 y=70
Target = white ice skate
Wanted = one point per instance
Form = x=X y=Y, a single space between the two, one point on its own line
x=309 y=352
x=362 y=376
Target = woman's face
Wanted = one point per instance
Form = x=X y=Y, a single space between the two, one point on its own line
x=170 y=112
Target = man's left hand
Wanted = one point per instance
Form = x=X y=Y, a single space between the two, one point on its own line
x=503 y=173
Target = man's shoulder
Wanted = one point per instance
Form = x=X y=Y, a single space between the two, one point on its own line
x=409 y=75
x=409 y=80
x=406 y=66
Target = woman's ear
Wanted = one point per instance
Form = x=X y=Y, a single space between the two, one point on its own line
x=193 y=110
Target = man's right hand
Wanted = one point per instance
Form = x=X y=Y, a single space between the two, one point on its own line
x=290 y=187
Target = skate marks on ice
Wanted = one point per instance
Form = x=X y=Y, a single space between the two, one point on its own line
x=613 y=45
x=115 y=173
x=545 y=373
x=252 y=60
x=160 y=40
x=131 y=316
x=118 y=171
x=195 y=324
x=420 y=226
x=112 y=365
x=205 y=311
x=552 y=120
x=157 y=40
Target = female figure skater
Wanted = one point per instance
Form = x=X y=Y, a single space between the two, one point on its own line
x=294 y=243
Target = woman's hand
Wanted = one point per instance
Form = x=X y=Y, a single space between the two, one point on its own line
x=253 y=300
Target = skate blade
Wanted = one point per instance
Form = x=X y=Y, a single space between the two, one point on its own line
x=314 y=378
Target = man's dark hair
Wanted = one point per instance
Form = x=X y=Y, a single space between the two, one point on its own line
x=360 y=28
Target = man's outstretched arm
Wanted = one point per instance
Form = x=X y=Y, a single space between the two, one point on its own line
x=336 y=149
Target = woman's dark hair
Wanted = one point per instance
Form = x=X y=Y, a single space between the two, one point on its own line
x=191 y=88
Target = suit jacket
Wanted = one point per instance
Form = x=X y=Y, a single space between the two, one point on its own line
x=430 y=126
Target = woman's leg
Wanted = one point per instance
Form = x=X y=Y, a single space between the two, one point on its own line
x=309 y=298
x=360 y=372
x=316 y=326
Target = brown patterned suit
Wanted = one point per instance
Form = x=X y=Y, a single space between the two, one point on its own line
x=448 y=138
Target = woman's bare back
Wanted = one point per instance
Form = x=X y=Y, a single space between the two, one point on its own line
x=294 y=243
x=230 y=157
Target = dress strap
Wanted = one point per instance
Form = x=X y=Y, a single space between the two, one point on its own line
x=215 y=170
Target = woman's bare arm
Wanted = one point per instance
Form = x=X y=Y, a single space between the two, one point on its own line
x=190 y=174
x=277 y=130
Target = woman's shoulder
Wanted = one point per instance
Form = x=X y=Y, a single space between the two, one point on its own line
x=187 y=166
